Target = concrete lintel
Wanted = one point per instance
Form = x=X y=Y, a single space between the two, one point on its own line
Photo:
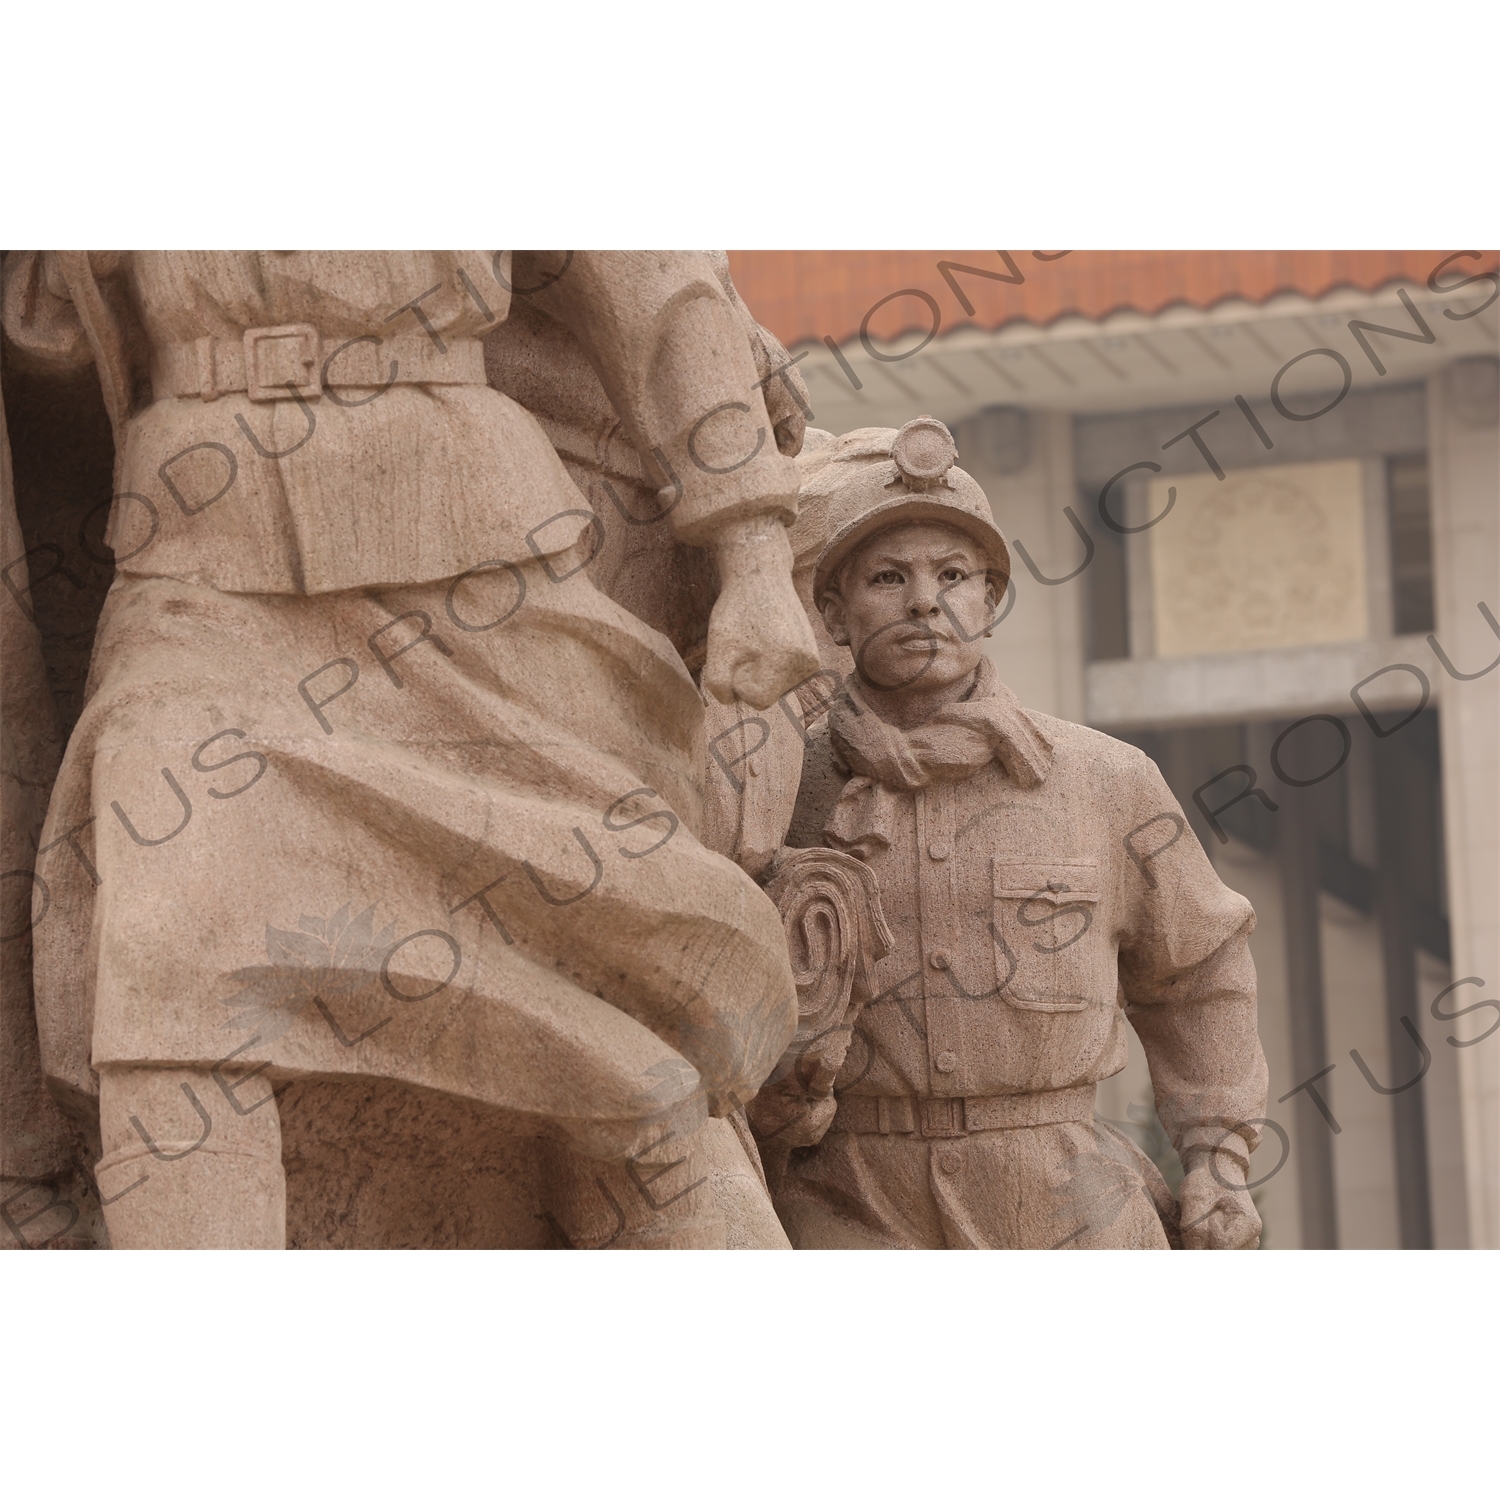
x=1277 y=683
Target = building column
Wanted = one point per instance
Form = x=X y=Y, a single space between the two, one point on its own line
x=1039 y=648
x=1396 y=781
x=1464 y=451
x=1297 y=859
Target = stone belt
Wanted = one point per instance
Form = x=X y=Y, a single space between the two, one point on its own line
x=295 y=359
x=871 y=1114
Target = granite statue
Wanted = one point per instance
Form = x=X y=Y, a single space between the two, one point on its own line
x=1031 y=890
x=370 y=907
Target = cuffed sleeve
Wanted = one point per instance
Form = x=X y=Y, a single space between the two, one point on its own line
x=671 y=351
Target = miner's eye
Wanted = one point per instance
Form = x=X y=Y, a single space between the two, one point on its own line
x=888 y=575
x=953 y=575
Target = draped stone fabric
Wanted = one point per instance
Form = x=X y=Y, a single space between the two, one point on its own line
x=246 y=871
x=988 y=725
x=371 y=780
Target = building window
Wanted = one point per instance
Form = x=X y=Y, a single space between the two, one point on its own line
x=1411 y=544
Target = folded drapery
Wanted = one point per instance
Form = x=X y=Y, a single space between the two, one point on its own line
x=425 y=833
x=989 y=724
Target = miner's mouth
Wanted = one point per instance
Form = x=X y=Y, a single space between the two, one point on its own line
x=924 y=638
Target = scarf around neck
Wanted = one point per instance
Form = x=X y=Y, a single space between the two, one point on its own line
x=988 y=725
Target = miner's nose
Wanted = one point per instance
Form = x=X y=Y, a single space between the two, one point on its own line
x=923 y=607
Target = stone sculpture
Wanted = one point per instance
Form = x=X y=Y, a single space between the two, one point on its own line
x=387 y=893
x=1032 y=889
x=639 y=560
x=369 y=907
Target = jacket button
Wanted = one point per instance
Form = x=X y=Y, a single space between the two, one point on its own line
x=946 y=1062
x=949 y=1162
x=939 y=958
x=939 y=850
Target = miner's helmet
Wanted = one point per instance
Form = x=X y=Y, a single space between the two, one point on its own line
x=856 y=485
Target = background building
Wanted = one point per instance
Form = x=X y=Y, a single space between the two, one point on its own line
x=1254 y=506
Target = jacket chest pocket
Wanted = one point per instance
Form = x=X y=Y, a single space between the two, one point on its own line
x=1047 y=952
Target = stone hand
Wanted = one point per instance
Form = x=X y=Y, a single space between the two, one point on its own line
x=786 y=1118
x=760 y=644
x=1217 y=1213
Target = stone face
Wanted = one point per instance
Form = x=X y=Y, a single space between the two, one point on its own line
x=377 y=912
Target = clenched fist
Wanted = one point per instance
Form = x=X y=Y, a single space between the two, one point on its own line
x=1217 y=1213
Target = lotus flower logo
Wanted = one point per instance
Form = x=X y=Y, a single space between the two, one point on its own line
x=326 y=957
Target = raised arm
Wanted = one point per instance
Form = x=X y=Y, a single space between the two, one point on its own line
x=670 y=348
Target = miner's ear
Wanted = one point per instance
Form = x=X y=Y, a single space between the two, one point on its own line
x=835 y=618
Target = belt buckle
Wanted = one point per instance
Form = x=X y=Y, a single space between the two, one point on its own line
x=943 y=1118
x=282 y=357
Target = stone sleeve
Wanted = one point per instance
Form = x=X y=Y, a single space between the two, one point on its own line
x=671 y=351
x=1189 y=980
x=42 y=327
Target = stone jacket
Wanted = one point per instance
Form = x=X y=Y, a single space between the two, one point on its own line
x=1032 y=924
x=311 y=421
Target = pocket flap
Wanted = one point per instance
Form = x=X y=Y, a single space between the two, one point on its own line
x=1060 y=881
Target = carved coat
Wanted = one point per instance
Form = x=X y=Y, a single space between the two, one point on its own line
x=1038 y=904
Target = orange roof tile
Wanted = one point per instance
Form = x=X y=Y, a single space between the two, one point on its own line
x=811 y=294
